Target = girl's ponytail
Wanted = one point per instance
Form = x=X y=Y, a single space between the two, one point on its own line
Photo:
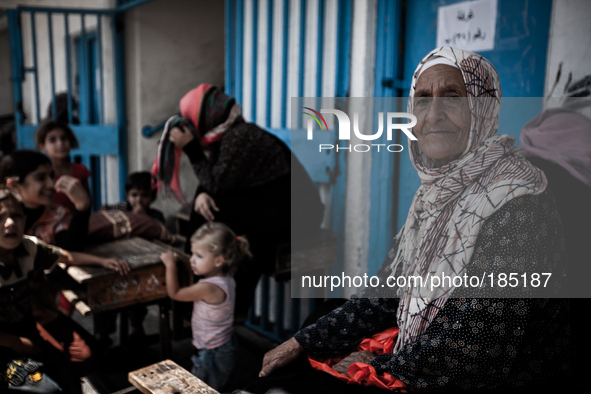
x=243 y=248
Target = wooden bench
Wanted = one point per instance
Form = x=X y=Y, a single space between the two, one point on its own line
x=167 y=377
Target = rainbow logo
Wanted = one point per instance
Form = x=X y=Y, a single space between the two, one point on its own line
x=315 y=118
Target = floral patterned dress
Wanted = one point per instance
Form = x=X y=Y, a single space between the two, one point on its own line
x=472 y=342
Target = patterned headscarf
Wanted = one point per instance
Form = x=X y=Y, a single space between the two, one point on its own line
x=454 y=200
x=208 y=113
x=212 y=112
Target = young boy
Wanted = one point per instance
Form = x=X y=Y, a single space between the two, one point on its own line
x=139 y=195
x=62 y=345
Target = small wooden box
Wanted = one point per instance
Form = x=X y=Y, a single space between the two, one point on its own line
x=167 y=377
x=102 y=289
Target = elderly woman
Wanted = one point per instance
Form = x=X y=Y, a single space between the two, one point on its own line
x=481 y=207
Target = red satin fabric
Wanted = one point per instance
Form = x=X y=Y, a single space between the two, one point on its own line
x=364 y=374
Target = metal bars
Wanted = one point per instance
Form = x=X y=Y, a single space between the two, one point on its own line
x=285 y=40
x=83 y=106
x=68 y=66
x=35 y=69
x=255 y=40
x=320 y=48
x=298 y=64
x=269 y=58
x=99 y=71
x=51 y=63
x=55 y=68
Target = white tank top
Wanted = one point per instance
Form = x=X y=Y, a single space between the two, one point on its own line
x=212 y=324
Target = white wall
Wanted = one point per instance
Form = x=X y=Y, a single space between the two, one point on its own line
x=171 y=47
x=570 y=32
x=357 y=190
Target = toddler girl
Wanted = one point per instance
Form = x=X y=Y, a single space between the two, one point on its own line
x=56 y=139
x=216 y=252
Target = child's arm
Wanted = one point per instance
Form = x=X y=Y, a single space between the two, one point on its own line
x=199 y=291
x=74 y=237
x=77 y=258
x=74 y=189
x=20 y=345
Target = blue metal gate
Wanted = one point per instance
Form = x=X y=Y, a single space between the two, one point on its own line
x=276 y=50
x=79 y=52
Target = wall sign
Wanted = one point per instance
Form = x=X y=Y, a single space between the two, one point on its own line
x=468 y=25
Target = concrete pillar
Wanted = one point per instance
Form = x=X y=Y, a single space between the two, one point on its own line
x=357 y=208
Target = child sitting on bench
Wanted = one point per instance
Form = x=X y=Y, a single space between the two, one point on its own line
x=65 y=349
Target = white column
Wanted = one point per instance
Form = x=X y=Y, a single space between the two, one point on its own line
x=357 y=207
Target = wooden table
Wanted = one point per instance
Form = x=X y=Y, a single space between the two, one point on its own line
x=167 y=377
x=97 y=289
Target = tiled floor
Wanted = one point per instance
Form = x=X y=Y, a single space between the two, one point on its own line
x=112 y=376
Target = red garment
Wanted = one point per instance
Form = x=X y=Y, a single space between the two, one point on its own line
x=361 y=373
x=80 y=172
x=192 y=103
x=53 y=220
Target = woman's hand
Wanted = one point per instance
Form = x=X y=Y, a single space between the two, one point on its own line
x=355 y=357
x=72 y=188
x=282 y=355
x=119 y=265
x=204 y=203
x=169 y=259
x=180 y=136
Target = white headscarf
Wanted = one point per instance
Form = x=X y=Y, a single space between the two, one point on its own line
x=450 y=207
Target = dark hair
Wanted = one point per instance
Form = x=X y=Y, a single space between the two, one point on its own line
x=20 y=163
x=141 y=180
x=7 y=137
x=7 y=193
x=61 y=109
x=222 y=241
x=48 y=125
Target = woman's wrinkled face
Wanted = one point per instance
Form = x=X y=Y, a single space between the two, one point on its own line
x=443 y=115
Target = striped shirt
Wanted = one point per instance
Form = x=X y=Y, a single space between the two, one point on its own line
x=212 y=324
